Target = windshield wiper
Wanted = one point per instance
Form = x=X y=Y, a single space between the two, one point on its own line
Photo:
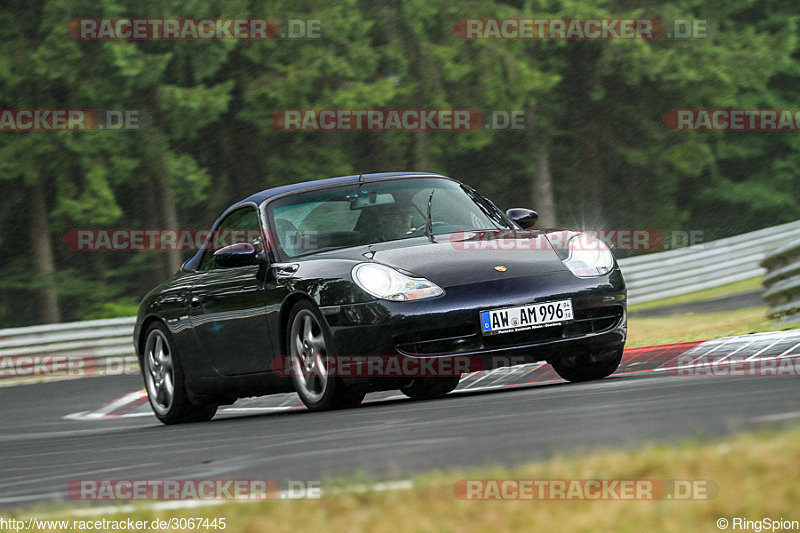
x=428 y=222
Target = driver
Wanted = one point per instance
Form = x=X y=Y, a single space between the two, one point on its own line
x=393 y=222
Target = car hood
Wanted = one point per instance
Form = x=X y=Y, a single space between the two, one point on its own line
x=464 y=257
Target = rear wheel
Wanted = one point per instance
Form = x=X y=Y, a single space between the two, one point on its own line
x=429 y=388
x=164 y=381
x=588 y=367
x=310 y=347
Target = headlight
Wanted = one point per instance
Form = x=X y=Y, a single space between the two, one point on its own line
x=389 y=284
x=589 y=256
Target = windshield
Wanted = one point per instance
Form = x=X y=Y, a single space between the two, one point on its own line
x=368 y=213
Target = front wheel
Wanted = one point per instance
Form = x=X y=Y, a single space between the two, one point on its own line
x=164 y=381
x=310 y=346
x=588 y=367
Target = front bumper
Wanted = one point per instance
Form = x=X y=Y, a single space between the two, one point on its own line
x=449 y=325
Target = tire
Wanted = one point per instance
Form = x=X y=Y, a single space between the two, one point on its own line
x=310 y=346
x=164 y=381
x=430 y=388
x=588 y=367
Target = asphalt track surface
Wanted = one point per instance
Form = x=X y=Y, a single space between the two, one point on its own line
x=727 y=302
x=100 y=427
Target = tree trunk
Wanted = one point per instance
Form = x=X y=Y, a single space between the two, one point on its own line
x=155 y=146
x=542 y=191
x=420 y=155
x=152 y=220
x=170 y=217
x=47 y=309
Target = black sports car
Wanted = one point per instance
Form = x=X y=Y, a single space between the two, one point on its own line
x=338 y=287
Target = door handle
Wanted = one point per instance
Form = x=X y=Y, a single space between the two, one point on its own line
x=194 y=301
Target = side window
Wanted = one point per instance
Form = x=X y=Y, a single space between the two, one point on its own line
x=240 y=226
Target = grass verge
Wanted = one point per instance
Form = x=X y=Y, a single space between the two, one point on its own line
x=647 y=331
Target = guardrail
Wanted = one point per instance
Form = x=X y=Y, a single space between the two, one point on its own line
x=649 y=277
x=702 y=266
x=782 y=282
x=107 y=344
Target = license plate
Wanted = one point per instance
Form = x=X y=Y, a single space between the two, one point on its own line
x=513 y=319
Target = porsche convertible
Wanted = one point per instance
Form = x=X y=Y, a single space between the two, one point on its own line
x=303 y=287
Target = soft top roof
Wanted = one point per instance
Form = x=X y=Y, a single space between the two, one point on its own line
x=260 y=197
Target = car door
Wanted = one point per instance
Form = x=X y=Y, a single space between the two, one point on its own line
x=228 y=305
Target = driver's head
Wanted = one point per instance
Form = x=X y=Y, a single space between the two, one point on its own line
x=401 y=218
x=392 y=222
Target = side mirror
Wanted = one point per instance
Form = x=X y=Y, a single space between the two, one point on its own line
x=524 y=218
x=236 y=255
